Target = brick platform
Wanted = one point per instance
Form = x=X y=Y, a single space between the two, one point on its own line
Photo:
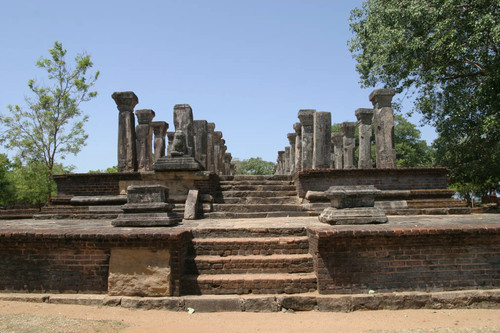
x=419 y=253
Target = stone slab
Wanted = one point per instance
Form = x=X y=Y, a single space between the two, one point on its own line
x=139 y=272
x=349 y=216
x=178 y=163
x=163 y=219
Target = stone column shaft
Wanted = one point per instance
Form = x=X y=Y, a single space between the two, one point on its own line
x=383 y=119
x=292 y=137
x=338 y=147
x=217 y=150
x=200 y=141
x=144 y=136
x=280 y=163
x=298 y=146
x=127 y=154
x=160 y=131
x=322 y=140
x=286 y=159
x=183 y=120
x=349 y=143
x=210 y=147
x=306 y=118
x=364 y=117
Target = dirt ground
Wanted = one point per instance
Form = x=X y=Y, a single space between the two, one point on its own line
x=42 y=317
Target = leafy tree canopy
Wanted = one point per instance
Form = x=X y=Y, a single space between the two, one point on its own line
x=254 y=166
x=50 y=125
x=446 y=53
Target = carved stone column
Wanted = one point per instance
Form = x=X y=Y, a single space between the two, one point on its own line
x=292 y=137
x=364 y=117
x=144 y=136
x=160 y=131
x=306 y=118
x=286 y=161
x=280 y=163
x=298 y=146
x=210 y=147
x=170 y=137
x=200 y=141
x=183 y=120
x=349 y=143
x=383 y=118
x=217 y=137
x=127 y=155
x=338 y=147
x=322 y=137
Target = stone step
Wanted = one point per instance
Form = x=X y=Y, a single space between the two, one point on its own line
x=260 y=208
x=430 y=211
x=64 y=209
x=224 y=284
x=249 y=246
x=436 y=203
x=255 y=182
x=245 y=232
x=278 y=263
x=260 y=194
x=263 y=200
x=258 y=215
x=257 y=188
x=76 y=216
x=256 y=177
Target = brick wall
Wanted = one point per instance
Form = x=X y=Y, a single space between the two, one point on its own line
x=388 y=259
x=383 y=179
x=88 y=184
x=72 y=263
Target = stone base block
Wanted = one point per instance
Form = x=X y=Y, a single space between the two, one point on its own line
x=362 y=215
x=184 y=163
x=139 y=272
x=163 y=219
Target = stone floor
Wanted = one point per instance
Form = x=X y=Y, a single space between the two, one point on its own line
x=104 y=226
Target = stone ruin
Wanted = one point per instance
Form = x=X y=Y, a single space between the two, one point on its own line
x=193 y=145
x=314 y=146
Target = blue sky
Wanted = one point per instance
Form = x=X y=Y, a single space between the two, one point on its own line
x=248 y=66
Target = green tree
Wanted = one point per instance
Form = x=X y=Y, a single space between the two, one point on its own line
x=254 y=166
x=411 y=150
x=107 y=170
x=50 y=126
x=446 y=54
x=5 y=185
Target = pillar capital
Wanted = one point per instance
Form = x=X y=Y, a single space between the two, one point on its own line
x=291 y=138
x=217 y=136
x=144 y=116
x=297 y=128
x=348 y=128
x=125 y=100
x=211 y=127
x=364 y=115
x=382 y=97
x=306 y=117
x=337 y=138
x=159 y=128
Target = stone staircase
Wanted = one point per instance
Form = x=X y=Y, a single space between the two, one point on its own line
x=249 y=261
x=256 y=197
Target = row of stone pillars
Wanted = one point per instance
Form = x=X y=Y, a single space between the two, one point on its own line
x=193 y=138
x=314 y=146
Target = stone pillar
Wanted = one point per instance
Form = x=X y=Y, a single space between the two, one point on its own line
x=306 y=118
x=183 y=120
x=160 y=131
x=127 y=156
x=170 y=137
x=217 y=137
x=338 y=147
x=223 y=149
x=298 y=146
x=322 y=140
x=292 y=137
x=144 y=136
x=365 y=134
x=227 y=163
x=286 y=161
x=281 y=157
x=210 y=147
x=200 y=142
x=383 y=119
x=349 y=143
